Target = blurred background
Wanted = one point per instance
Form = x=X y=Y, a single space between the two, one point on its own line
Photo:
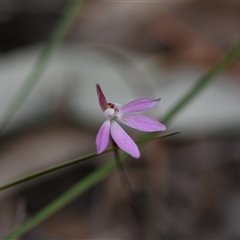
x=185 y=186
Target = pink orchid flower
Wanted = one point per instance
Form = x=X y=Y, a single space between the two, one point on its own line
x=125 y=114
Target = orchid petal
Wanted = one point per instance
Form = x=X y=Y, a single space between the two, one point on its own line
x=102 y=138
x=122 y=139
x=139 y=105
x=101 y=98
x=142 y=123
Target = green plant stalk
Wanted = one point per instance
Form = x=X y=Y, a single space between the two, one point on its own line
x=213 y=72
x=49 y=170
x=219 y=67
x=101 y=173
x=59 y=32
x=69 y=163
x=71 y=194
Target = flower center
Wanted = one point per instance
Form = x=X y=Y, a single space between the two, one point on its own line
x=111 y=111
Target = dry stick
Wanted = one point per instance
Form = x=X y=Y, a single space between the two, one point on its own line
x=133 y=201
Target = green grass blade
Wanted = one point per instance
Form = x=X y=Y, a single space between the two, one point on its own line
x=71 y=194
x=219 y=67
x=70 y=163
x=101 y=173
x=61 y=29
x=49 y=170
